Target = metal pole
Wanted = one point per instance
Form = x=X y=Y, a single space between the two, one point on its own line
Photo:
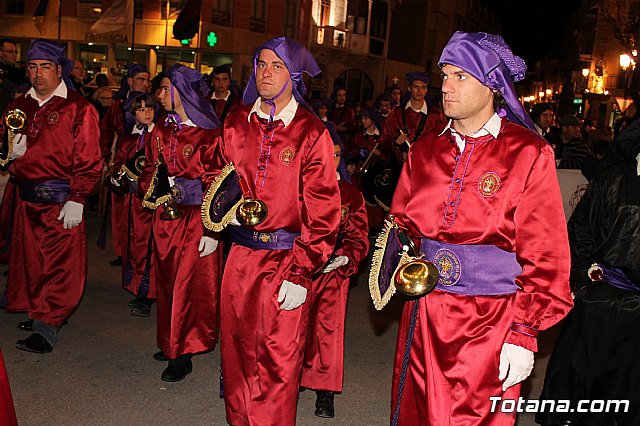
x=166 y=34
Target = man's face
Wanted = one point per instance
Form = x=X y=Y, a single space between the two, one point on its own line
x=272 y=75
x=139 y=82
x=366 y=122
x=144 y=114
x=8 y=53
x=336 y=155
x=546 y=119
x=341 y=97
x=396 y=94
x=571 y=132
x=464 y=97
x=221 y=82
x=78 y=70
x=322 y=111
x=418 y=90
x=44 y=76
x=165 y=96
x=385 y=107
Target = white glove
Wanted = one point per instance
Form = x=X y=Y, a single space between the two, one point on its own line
x=172 y=181
x=19 y=146
x=292 y=294
x=207 y=246
x=71 y=213
x=114 y=182
x=518 y=361
x=335 y=263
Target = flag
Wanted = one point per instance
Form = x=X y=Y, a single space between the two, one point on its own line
x=118 y=16
x=45 y=12
x=186 y=26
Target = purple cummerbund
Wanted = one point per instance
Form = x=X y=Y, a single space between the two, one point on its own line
x=133 y=187
x=46 y=192
x=618 y=279
x=259 y=240
x=473 y=270
x=187 y=192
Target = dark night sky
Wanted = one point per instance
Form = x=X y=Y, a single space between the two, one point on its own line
x=532 y=27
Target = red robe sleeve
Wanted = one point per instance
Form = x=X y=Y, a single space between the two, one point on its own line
x=110 y=125
x=87 y=164
x=355 y=243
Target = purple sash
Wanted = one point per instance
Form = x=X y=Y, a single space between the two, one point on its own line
x=473 y=269
x=257 y=240
x=46 y=192
x=133 y=187
x=187 y=192
x=618 y=279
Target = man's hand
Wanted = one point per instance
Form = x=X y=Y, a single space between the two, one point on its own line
x=402 y=139
x=335 y=263
x=291 y=295
x=19 y=146
x=71 y=213
x=516 y=360
x=207 y=246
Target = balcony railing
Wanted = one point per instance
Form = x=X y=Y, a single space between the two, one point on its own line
x=332 y=37
x=337 y=38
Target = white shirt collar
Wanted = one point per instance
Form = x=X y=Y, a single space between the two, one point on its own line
x=61 y=91
x=422 y=110
x=338 y=175
x=638 y=166
x=375 y=131
x=491 y=127
x=286 y=115
x=226 y=98
x=137 y=131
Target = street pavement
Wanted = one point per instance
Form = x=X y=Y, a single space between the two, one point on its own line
x=102 y=372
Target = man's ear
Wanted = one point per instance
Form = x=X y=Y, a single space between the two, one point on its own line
x=59 y=68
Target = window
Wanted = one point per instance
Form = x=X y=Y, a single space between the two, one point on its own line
x=14 y=7
x=258 y=19
x=221 y=12
x=291 y=18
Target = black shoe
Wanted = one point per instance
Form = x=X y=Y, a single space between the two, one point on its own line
x=34 y=343
x=324 y=404
x=176 y=372
x=141 y=310
x=26 y=325
x=160 y=356
x=133 y=303
x=116 y=262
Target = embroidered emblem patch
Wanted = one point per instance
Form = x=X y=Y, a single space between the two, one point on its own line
x=489 y=184
x=448 y=265
x=177 y=191
x=264 y=237
x=344 y=212
x=43 y=193
x=187 y=151
x=53 y=118
x=286 y=155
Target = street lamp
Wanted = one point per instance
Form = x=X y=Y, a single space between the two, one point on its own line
x=585 y=72
x=625 y=61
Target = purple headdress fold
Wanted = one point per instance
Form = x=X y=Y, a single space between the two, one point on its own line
x=490 y=60
x=132 y=70
x=194 y=91
x=296 y=58
x=44 y=50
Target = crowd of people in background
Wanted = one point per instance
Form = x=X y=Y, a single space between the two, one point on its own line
x=192 y=127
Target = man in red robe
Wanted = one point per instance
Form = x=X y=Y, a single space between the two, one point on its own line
x=343 y=117
x=56 y=164
x=481 y=197
x=187 y=269
x=7 y=410
x=112 y=129
x=323 y=367
x=283 y=153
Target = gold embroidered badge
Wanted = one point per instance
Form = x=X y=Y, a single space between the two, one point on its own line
x=53 y=118
x=489 y=184
x=286 y=155
x=344 y=212
x=187 y=151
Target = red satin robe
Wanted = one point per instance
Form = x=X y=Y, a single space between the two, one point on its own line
x=393 y=124
x=323 y=367
x=112 y=126
x=344 y=116
x=134 y=224
x=187 y=285
x=262 y=346
x=50 y=262
x=375 y=213
x=224 y=108
x=7 y=410
x=453 y=367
